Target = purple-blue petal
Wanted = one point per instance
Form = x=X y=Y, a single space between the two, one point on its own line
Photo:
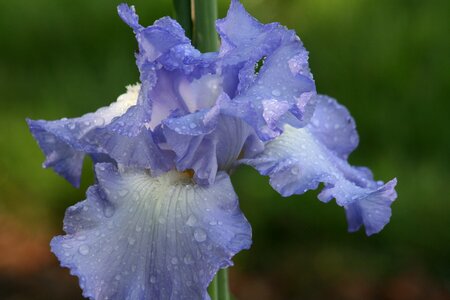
x=373 y=211
x=64 y=159
x=143 y=237
x=118 y=131
x=129 y=16
x=284 y=76
x=140 y=151
x=207 y=141
x=300 y=159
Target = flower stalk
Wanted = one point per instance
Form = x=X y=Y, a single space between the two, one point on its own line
x=204 y=19
x=213 y=289
x=183 y=15
x=223 y=287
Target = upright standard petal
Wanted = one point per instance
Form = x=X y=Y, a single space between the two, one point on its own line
x=300 y=159
x=278 y=92
x=143 y=237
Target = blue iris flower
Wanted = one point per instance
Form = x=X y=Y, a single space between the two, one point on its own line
x=163 y=217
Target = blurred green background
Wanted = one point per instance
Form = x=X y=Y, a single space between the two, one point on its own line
x=387 y=61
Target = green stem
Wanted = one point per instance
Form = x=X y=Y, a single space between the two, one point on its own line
x=222 y=278
x=183 y=15
x=205 y=15
x=218 y=289
x=213 y=289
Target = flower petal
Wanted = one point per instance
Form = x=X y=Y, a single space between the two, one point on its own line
x=207 y=141
x=142 y=237
x=334 y=127
x=300 y=159
x=118 y=131
x=283 y=86
x=373 y=212
x=63 y=141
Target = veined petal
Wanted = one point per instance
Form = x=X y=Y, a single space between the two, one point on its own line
x=143 y=237
x=63 y=141
x=283 y=86
x=300 y=159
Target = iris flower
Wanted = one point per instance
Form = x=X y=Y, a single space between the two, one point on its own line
x=162 y=217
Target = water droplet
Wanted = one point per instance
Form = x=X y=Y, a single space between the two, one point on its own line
x=188 y=259
x=131 y=241
x=276 y=93
x=138 y=228
x=83 y=250
x=192 y=125
x=161 y=220
x=100 y=121
x=191 y=220
x=108 y=211
x=117 y=277
x=123 y=193
x=295 y=170
x=152 y=279
x=110 y=225
x=200 y=235
x=174 y=260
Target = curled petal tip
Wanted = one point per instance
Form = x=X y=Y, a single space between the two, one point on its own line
x=128 y=15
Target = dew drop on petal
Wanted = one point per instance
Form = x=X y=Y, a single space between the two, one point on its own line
x=295 y=170
x=123 y=193
x=83 y=250
x=199 y=235
x=276 y=93
x=108 y=211
x=191 y=220
x=188 y=259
